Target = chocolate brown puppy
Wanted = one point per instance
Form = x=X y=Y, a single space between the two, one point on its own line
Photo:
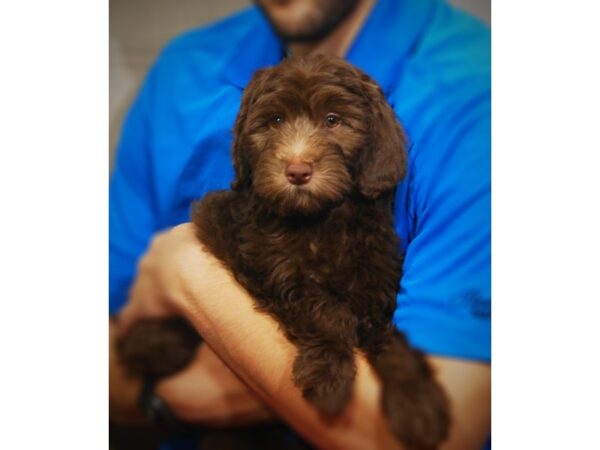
x=307 y=229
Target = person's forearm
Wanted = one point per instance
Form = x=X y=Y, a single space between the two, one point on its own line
x=228 y=322
x=208 y=392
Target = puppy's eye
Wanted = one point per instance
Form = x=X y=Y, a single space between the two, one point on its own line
x=277 y=119
x=332 y=120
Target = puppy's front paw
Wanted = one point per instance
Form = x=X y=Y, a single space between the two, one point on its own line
x=418 y=413
x=329 y=396
x=327 y=384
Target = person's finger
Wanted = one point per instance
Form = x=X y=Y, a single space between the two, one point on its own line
x=125 y=319
x=145 y=302
x=137 y=306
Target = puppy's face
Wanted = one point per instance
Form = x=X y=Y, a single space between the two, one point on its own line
x=312 y=130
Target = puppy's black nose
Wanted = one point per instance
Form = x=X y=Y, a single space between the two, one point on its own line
x=298 y=173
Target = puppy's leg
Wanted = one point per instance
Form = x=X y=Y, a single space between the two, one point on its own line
x=325 y=373
x=324 y=368
x=158 y=347
x=414 y=403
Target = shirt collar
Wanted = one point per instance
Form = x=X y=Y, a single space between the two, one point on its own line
x=387 y=38
x=260 y=47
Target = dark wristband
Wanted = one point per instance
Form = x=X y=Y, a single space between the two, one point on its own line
x=155 y=409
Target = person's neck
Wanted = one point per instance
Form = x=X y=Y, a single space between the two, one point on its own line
x=338 y=42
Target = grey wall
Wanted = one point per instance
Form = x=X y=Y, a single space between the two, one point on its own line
x=140 y=28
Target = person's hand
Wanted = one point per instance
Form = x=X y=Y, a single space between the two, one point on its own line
x=208 y=392
x=160 y=284
x=205 y=392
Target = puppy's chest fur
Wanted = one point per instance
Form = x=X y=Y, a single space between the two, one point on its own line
x=293 y=266
x=302 y=260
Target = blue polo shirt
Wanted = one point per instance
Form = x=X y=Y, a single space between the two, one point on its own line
x=433 y=63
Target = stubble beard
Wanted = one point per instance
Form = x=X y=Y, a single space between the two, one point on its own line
x=315 y=27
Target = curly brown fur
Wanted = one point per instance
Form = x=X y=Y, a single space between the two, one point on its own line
x=321 y=256
x=158 y=347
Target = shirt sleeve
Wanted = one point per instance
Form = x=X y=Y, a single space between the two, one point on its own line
x=444 y=302
x=132 y=217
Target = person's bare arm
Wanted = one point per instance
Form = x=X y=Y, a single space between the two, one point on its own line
x=178 y=276
x=210 y=393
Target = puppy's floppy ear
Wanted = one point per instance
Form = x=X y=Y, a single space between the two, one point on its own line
x=241 y=165
x=383 y=164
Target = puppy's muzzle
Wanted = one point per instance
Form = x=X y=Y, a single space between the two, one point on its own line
x=298 y=173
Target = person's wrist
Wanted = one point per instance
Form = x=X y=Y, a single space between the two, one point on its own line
x=156 y=410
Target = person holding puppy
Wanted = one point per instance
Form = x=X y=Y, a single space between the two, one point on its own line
x=433 y=65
